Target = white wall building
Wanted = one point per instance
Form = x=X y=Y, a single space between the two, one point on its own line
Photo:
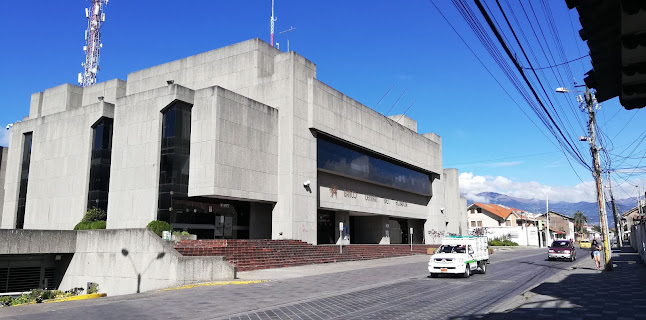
x=239 y=142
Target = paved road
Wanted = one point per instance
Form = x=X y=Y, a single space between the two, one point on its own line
x=397 y=288
x=585 y=293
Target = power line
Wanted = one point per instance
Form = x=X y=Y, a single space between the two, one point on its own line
x=513 y=59
x=556 y=65
x=493 y=50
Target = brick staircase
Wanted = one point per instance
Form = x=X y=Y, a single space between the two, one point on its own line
x=249 y=255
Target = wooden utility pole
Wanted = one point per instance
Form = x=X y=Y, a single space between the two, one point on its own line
x=615 y=213
x=596 y=173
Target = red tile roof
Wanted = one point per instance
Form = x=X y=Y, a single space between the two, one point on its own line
x=500 y=211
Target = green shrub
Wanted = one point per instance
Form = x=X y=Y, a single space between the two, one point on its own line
x=25 y=298
x=97 y=225
x=95 y=214
x=158 y=226
x=39 y=295
x=93 y=219
x=82 y=226
x=94 y=288
x=5 y=301
x=502 y=242
x=90 y=225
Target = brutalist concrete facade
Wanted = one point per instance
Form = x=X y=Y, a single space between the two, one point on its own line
x=3 y=171
x=256 y=116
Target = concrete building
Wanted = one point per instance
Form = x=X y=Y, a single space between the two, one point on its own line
x=486 y=215
x=3 y=171
x=629 y=219
x=498 y=221
x=561 y=226
x=239 y=142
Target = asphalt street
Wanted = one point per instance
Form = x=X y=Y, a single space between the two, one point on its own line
x=396 y=288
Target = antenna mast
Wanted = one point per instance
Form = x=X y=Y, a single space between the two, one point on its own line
x=95 y=18
x=272 y=19
x=288 y=30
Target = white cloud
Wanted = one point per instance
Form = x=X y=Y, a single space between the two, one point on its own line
x=471 y=185
x=4 y=138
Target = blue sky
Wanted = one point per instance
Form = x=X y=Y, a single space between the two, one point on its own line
x=362 y=48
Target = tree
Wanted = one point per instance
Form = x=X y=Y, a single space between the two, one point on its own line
x=579 y=221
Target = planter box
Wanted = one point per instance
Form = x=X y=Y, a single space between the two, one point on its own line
x=182 y=237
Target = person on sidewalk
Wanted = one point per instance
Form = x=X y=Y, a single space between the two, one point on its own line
x=596 y=253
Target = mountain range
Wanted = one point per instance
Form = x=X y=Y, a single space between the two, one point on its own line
x=590 y=209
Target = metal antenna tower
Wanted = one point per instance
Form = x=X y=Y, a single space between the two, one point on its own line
x=288 y=30
x=272 y=19
x=95 y=18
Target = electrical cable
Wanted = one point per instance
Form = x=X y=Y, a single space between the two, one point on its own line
x=513 y=59
x=557 y=65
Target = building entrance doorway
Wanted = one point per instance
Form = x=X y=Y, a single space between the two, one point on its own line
x=211 y=218
x=398 y=231
x=325 y=227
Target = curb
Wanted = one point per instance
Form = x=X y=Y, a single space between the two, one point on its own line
x=79 y=297
x=72 y=298
x=222 y=283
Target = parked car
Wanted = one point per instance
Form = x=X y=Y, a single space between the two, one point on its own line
x=584 y=244
x=561 y=249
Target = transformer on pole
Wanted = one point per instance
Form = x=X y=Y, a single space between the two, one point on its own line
x=272 y=19
x=95 y=18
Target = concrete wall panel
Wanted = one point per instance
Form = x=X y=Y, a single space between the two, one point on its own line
x=136 y=148
x=4 y=151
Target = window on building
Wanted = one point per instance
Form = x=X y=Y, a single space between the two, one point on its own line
x=508 y=223
x=24 y=179
x=479 y=223
x=339 y=158
x=100 y=164
x=473 y=223
x=174 y=160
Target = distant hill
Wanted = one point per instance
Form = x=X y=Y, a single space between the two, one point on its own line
x=590 y=209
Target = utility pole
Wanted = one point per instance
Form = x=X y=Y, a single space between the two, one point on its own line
x=548 y=238
x=618 y=227
x=596 y=173
x=639 y=200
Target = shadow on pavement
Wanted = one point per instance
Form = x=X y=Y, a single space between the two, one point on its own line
x=586 y=293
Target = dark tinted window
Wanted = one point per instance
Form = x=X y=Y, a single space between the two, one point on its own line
x=557 y=244
x=100 y=164
x=24 y=179
x=174 y=158
x=339 y=158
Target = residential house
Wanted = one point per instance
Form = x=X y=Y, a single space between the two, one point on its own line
x=561 y=226
x=500 y=221
x=628 y=219
x=483 y=215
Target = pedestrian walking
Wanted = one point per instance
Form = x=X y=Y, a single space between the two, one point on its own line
x=596 y=253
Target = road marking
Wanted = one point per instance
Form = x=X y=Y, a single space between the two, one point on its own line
x=221 y=283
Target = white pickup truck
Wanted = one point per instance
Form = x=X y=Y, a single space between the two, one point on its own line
x=460 y=255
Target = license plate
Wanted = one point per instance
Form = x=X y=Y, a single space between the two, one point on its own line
x=443 y=270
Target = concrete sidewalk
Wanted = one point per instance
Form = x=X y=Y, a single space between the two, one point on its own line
x=583 y=292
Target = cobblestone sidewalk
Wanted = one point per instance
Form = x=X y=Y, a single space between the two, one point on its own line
x=585 y=292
